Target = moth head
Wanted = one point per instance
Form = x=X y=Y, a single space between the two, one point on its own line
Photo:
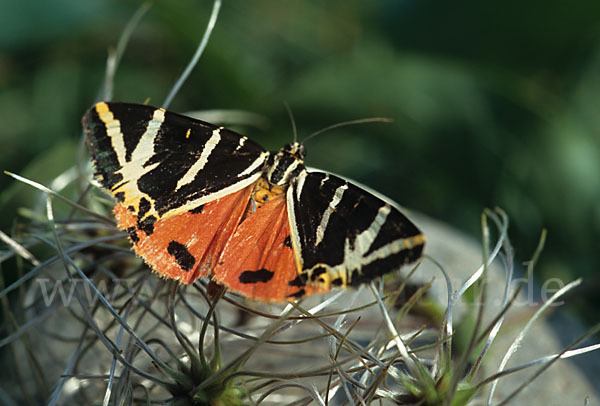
x=286 y=164
x=295 y=149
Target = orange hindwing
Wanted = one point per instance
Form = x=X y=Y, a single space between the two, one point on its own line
x=186 y=246
x=258 y=261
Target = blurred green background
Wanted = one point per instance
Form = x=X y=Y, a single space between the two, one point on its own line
x=494 y=103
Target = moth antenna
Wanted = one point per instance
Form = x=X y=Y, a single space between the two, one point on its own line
x=347 y=123
x=291 y=115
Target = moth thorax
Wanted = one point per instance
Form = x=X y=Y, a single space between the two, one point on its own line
x=283 y=167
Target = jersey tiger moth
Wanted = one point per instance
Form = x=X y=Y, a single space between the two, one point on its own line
x=199 y=200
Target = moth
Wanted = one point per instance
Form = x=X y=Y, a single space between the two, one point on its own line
x=198 y=200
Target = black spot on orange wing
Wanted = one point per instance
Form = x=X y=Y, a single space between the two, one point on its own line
x=287 y=242
x=182 y=256
x=298 y=294
x=120 y=196
x=147 y=225
x=132 y=231
x=197 y=210
x=299 y=281
x=261 y=275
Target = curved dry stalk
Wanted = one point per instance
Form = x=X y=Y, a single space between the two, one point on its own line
x=114 y=58
x=190 y=67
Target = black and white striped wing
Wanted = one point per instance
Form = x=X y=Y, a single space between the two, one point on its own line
x=159 y=164
x=343 y=235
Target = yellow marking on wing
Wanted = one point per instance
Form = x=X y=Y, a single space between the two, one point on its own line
x=102 y=108
x=106 y=116
x=324 y=280
x=414 y=241
x=187 y=134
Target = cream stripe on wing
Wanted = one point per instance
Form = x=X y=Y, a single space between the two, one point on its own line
x=192 y=204
x=241 y=143
x=113 y=130
x=143 y=151
x=354 y=253
x=337 y=198
x=300 y=183
x=210 y=145
x=324 y=180
x=145 y=146
x=394 y=247
x=371 y=233
x=257 y=162
x=295 y=236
